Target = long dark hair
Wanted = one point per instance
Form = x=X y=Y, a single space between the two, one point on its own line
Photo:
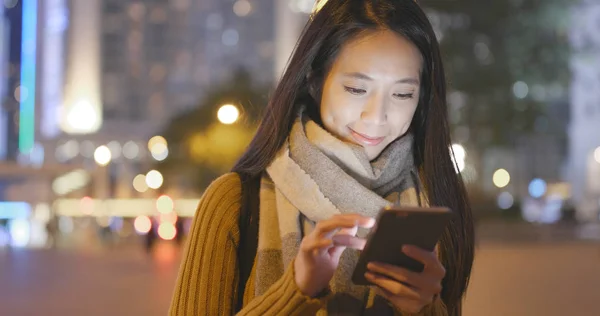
x=324 y=35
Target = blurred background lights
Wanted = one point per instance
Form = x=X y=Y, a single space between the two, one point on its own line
x=230 y=37
x=458 y=155
x=131 y=150
x=159 y=151
x=537 y=188
x=87 y=205
x=459 y=152
x=597 y=155
x=520 y=90
x=81 y=116
x=139 y=183
x=156 y=140
x=164 y=204
x=501 y=178
x=154 y=179
x=142 y=224
x=102 y=155
x=167 y=231
x=103 y=221
x=65 y=224
x=19 y=232
x=505 y=200
x=115 y=149
x=228 y=114
x=242 y=7
x=87 y=149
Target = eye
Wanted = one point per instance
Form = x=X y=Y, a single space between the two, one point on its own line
x=355 y=91
x=403 y=96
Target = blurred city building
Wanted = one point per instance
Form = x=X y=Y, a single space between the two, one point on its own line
x=86 y=86
x=584 y=127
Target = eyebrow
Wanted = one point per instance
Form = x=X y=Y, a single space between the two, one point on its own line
x=359 y=75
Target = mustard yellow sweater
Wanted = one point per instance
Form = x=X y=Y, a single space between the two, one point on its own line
x=208 y=276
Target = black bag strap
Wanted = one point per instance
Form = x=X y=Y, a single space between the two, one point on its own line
x=248 y=225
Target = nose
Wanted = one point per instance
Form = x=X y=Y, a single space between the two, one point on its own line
x=375 y=111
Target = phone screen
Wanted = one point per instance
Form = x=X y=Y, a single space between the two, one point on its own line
x=396 y=227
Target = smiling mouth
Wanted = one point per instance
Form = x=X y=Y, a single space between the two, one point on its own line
x=365 y=139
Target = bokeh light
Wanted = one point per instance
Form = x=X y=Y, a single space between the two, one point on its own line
x=115 y=149
x=159 y=151
x=458 y=155
x=164 y=204
x=131 y=150
x=154 y=179
x=505 y=200
x=228 y=114
x=501 y=178
x=155 y=141
x=19 y=231
x=170 y=217
x=102 y=155
x=537 y=188
x=87 y=205
x=167 y=231
x=139 y=183
x=597 y=155
x=142 y=224
x=242 y=7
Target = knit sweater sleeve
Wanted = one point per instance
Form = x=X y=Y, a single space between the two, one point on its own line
x=208 y=275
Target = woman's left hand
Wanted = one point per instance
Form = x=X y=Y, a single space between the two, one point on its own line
x=407 y=290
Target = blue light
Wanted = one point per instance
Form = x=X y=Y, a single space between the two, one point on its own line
x=505 y=200
x=20 y=231
x=14 y=210
x=28 y=65
x=537 y=188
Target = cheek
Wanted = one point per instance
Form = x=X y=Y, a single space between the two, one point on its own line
x=335 y=112
x=402 y=120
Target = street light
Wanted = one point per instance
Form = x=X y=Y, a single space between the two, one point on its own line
x=228 y=114
x=102 y=155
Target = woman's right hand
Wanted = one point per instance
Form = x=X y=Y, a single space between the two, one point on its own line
x=320 y=251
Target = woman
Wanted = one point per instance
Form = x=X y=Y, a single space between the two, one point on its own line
x=357 y=122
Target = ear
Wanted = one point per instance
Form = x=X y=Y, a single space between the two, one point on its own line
x=313 y=85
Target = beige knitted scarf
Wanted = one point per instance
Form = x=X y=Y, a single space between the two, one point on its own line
x=314 y=177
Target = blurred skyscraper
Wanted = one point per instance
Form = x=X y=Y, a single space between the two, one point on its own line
x=584 y=129
x=4 y=42
x=160 y=57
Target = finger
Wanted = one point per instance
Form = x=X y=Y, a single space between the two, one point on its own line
x=428 y=258
x=329 y=227
x=312 y=245
x=397 y=273
x=421 y=282
x=394 y=287
x=404 y=304
x=349 y=241
x=361 y=221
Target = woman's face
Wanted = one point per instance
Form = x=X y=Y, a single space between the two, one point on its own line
x=372 y=90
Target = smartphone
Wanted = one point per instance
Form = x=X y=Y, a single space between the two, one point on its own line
x=398 y=226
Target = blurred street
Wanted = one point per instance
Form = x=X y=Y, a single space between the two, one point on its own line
x=121 y=281
x=509 y=278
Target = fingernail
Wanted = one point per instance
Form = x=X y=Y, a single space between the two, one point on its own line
x=369 y=275
x=406 y=248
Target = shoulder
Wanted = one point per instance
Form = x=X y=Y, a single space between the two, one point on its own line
x=220 y=204
x=226 y=188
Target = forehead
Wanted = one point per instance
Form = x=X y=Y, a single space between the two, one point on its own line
x=382 y=53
